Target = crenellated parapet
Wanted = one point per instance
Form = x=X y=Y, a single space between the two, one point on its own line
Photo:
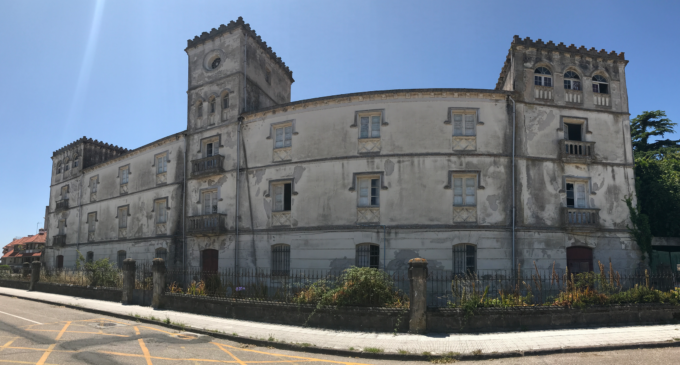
x=232 y=26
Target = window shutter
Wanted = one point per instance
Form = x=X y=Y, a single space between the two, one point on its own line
x=457 y=124
x=364 y=127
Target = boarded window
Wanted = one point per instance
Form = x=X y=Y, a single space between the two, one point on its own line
x=209 y=259
x=369 y=192
x=367 y=255
x=91 y=222
x=284 y=137
x=280 y=260
x=282 y=197
x=464 y=191
x=464 y=259
x=62 y=227
x=579 y=259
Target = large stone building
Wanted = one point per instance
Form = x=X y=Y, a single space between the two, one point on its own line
x=370 y=179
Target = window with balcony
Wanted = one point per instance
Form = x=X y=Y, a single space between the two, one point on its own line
x=209 y=199
x=280 y=260
x=464 y=259
x=577 y=212
x=367 y=255
x=576 y=194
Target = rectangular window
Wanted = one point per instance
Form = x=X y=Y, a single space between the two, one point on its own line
x=62 y=227
x=64 y=192
x=282 y=197
x=161 y=211
x=124 y=172
x=212 y=106
x=369 y=192
x=161 y=164
x=284 y=137
x=91 y=222
x=268 y=76
x=225 y=101
x=280 y=260
x=122 y=255
x=572 y=132
x=464 y=259
x=93 y=184
x=211 y=149
x=370 y=126
x=464 y=191
x=572 y=85
x=209 y=202
x=367 y=255
x=122 y=217
x=90 y=257
x=464 y=123
x=543 y=81
x=576 y=195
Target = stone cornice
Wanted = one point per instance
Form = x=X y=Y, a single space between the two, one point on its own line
x=582 y=51
x=379 y=96
x=136 y=151
x=95 y=142
x=232 y=26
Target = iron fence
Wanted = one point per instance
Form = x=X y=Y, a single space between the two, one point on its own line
x=85 y=277
x=532 y=287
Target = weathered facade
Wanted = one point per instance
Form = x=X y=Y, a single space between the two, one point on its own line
x=373 y=178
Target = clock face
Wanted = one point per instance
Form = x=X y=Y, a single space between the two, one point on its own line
x=215 y=63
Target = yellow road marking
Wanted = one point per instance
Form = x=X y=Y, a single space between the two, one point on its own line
x=63 y=330
x=21 y=362
x=295 y=357
x=145 y=351
x=230 y=354
x=156 y=329
x=34 y=349
x=92 y=333
x=7 y=344
x=137 y=331
x=165 y=358
x=46 y=354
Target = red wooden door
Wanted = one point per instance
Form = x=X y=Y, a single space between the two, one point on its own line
x=209 y=260
x=579 y=259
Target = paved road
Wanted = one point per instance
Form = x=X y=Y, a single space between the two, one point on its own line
x=36 y=333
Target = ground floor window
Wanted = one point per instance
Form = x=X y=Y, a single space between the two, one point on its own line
x=90 y=257
x=280 y=260
x=60 y=261
x=209 y=259
x=367 y=255
x=161 y=253
x=579 y=259
x=122 y=255
x=464 y=259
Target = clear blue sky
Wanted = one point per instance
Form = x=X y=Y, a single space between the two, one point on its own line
x=116 y=70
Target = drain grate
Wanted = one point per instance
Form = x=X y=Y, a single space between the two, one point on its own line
x=105 y=325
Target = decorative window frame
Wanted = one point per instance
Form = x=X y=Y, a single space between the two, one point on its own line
x=584 y=121
x=449 y=120
x=293 y=192
x=228 y=93
x=449 y=185
x=123 y=206
x=217 y=188
x=369 y=177
x=120 y=168
x=578 y=179
x=278 y=125
x=87 y=220
x=167 y=203
x=210 y=139
x=59 y=169
x=159 y=154
x=356 y=175
x=359 y=113
x=549 y=68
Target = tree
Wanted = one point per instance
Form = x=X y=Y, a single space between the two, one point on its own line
x=651 y=124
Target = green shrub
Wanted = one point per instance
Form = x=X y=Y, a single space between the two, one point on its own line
x=5 y=271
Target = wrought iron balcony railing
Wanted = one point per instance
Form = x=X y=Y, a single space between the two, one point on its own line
x=207 y=225
x=62 y=205
x=59 y=240
x=207 y=166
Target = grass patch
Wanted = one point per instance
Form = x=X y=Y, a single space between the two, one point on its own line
x=235 y=334
x=271 y=338
x=477 y=352
x=373 y=350
x=351 y=348
x=167 y=320
x=426 y=353
x=403 y=352
x=442 y=360
x=305 y=344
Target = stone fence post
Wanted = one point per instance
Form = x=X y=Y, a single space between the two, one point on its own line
x=35 y=274
x=129 y=268
x=159 y=270
x=417 y=275
x=25 y=269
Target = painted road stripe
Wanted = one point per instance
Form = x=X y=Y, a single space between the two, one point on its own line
x=25 y=319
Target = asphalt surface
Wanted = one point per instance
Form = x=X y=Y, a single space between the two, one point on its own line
x=37 y=333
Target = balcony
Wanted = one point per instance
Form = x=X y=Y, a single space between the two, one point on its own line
x=59 y=240
x=61 y=205
x=581 y=218
x=207 y=166
x=577 y=151
x=207 y=225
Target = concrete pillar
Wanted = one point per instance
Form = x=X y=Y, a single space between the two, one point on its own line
x=417 y=275
x=35 y=274
x=159 y=270
x=129 y=268
x=25 y=269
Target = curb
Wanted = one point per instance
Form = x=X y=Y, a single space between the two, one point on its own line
x=360 y=354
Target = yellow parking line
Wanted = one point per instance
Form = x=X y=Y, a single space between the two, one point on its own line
x=7 y=344
x=35 y=349
x=21 y=362
x=295 y=357
x=137 y=331
x=230 y=354
x=46 y=354
x=145 y=351
x=91 y=333
x=156 y=329
x=63 y=330
x=165 y=358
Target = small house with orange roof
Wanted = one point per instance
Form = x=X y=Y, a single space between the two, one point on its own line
x=25 y=249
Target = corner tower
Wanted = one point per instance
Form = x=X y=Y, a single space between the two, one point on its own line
x=231 y=71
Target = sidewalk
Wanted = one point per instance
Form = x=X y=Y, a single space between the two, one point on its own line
x=436 y=344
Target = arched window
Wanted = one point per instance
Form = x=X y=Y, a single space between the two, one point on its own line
x=212 y=105
x=579 y=259
x=59 y=168
x=67 y=165
x=367 y=255
x=122 y=255
x=464 y=259
x=209 y=260
x=75 y=161
x=199 y=109
x=161 y=253
x=542 y=77
x=89 y=257
x=280 y=260
x=600 y=85
x=572 y=81
x=225 y=101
